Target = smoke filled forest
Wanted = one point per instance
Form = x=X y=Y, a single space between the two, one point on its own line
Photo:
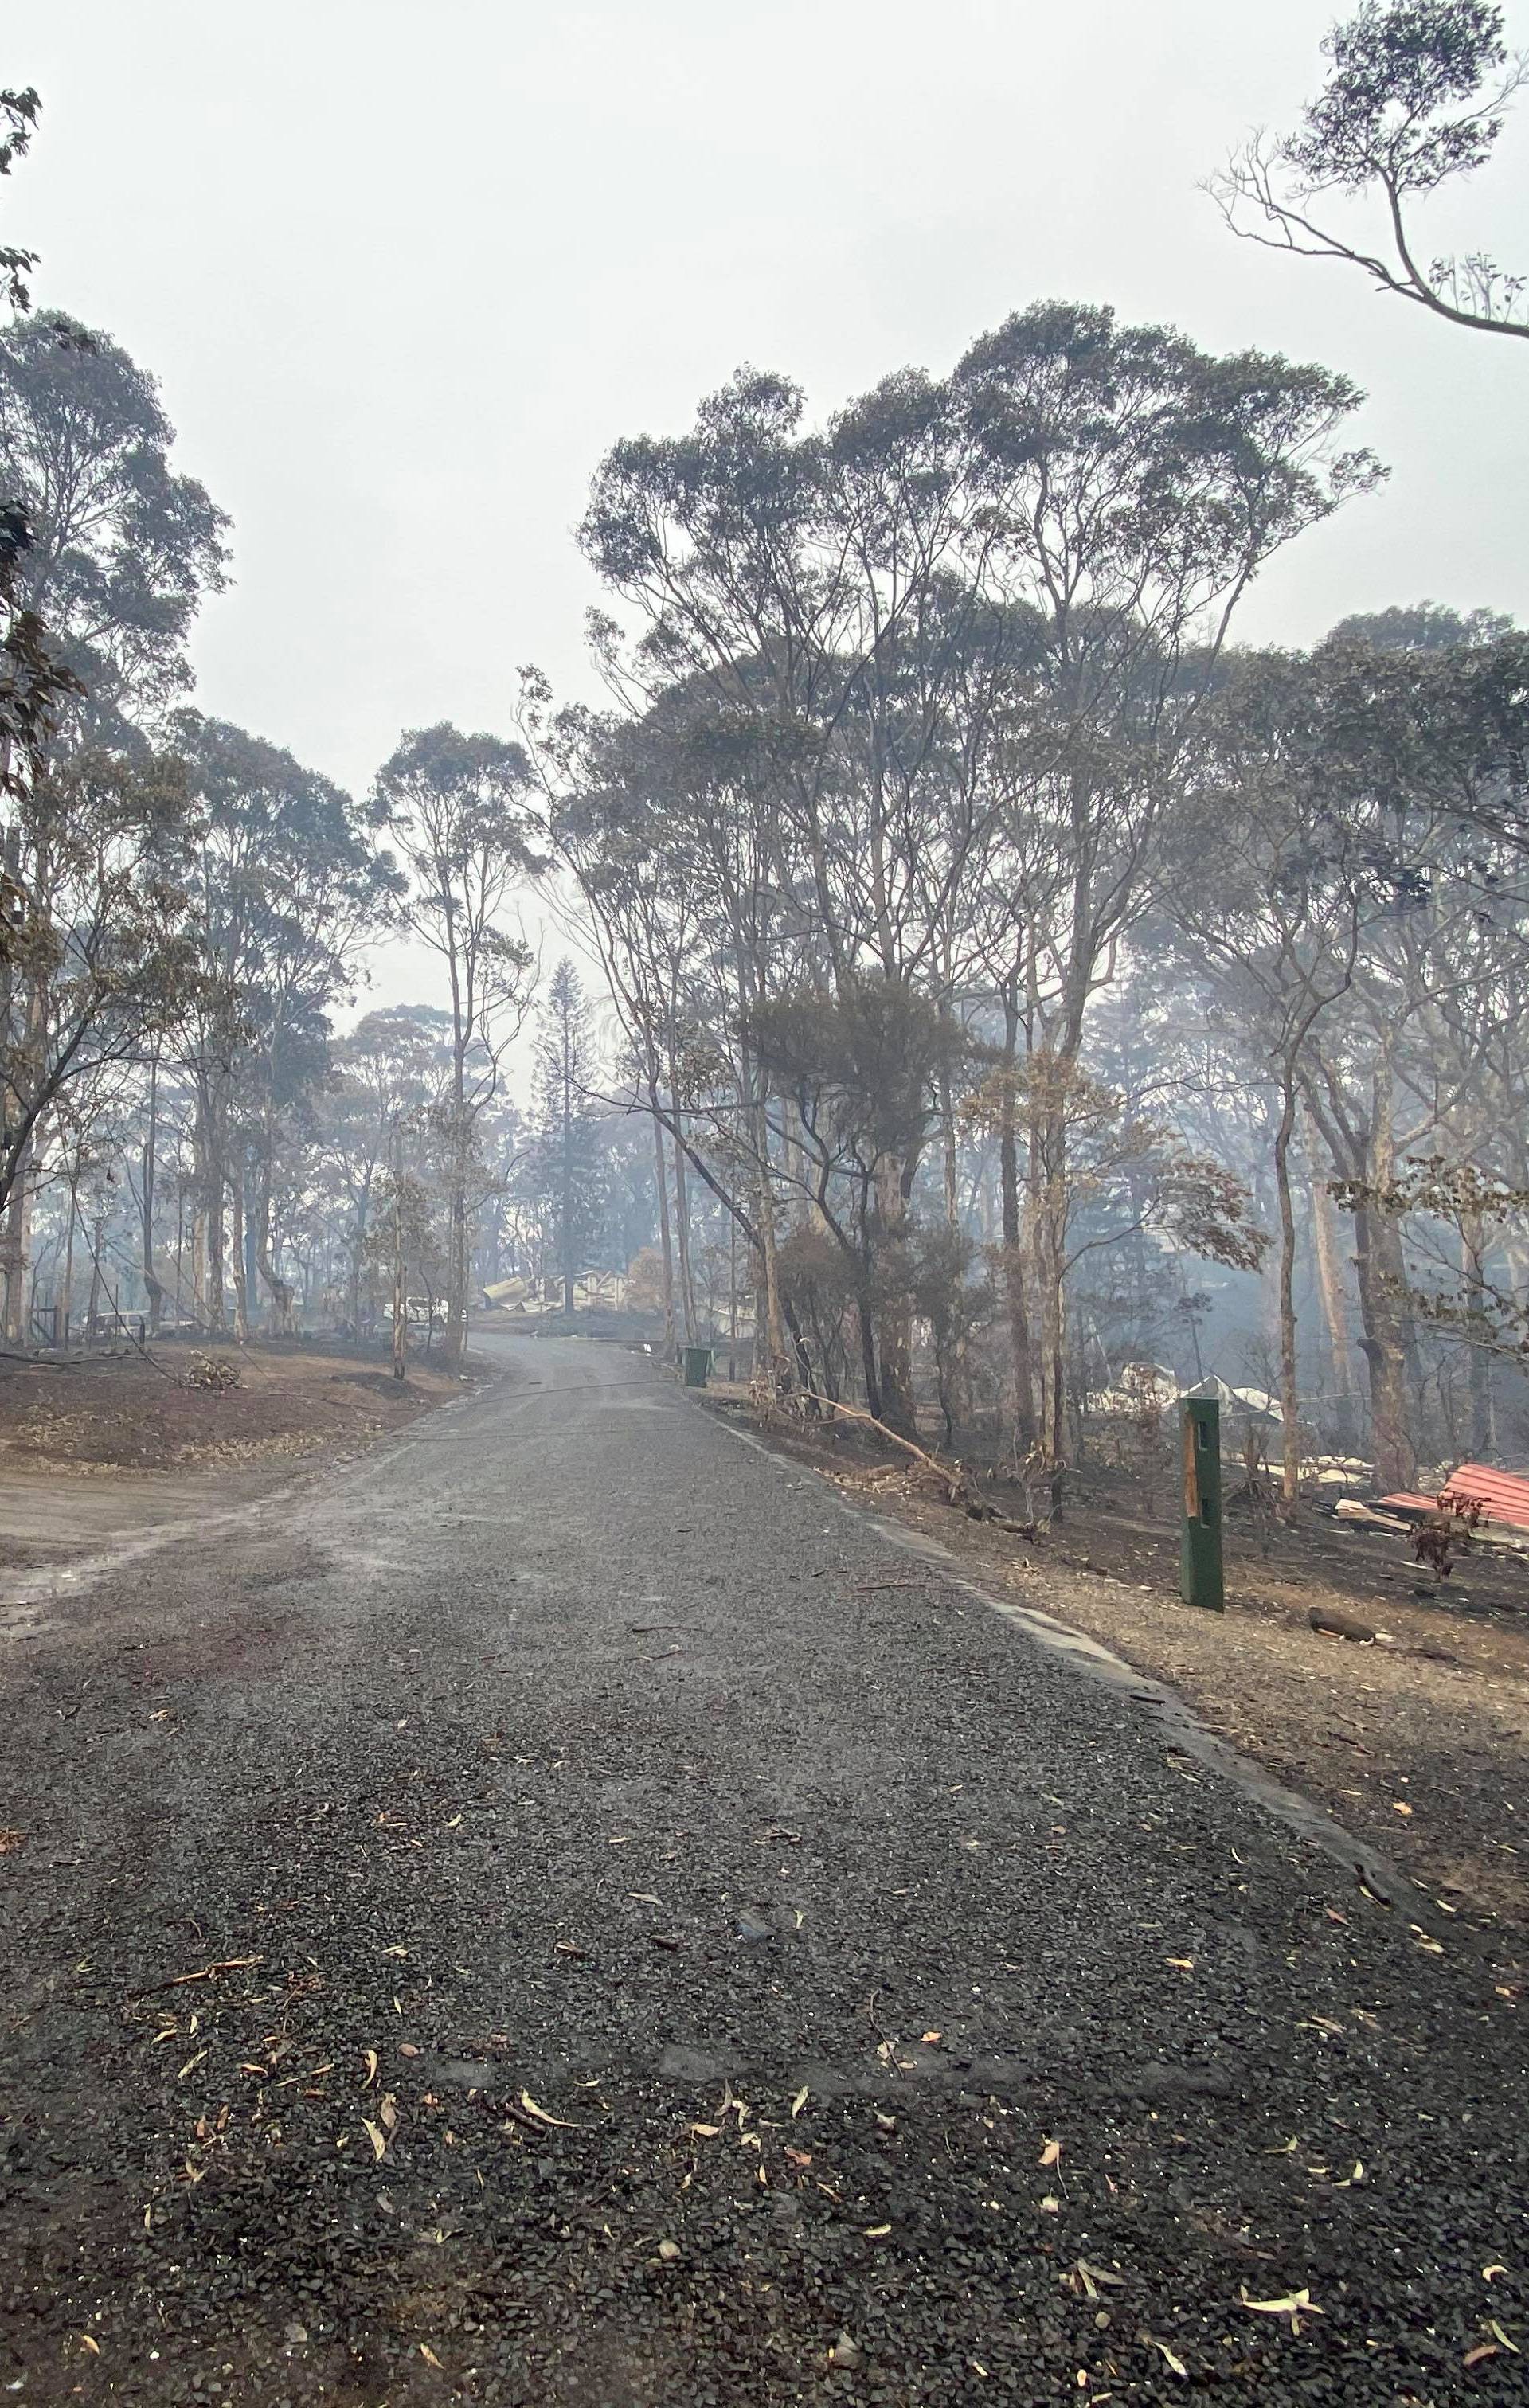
x=943 y=966
x=764 y=1204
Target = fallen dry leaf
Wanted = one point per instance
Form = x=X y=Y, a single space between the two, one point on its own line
x=1483 y=2349
x=94 y=2346
x=876 y=2232
x=1296 y=2304
x=10 y=1842
x=377 y=2138
x=1495 y=2329
x=1051 y=2154
x=559 y=2122
x=1397 y=1807
x=799 y=2101
x=706 y=2131
x=1175 y=2364
x=370 y=2057
x=429 y=2355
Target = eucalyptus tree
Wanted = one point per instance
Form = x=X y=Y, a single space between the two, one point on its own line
x=1415 y=98
x=1271 y=889
x=100 y=960
x=461 y=810
x=287 y=885
x=1134 y=486
x=384 y=1077
x=18 y=123
x=967 y=625
x=807 y=583
x=121 y=547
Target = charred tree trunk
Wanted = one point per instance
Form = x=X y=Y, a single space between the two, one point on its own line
x=661 y=1181
x=1473 y=1248
x=148 y=1183
x=1290 y=1482
x=238 y=1254
x=1334 y=1303
x=1022 y=1352
x=896 y=1347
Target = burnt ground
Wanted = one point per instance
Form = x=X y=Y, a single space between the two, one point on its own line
x=565 y=1911
x=137 y=1411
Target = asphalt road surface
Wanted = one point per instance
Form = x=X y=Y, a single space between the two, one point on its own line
x=566 y=1911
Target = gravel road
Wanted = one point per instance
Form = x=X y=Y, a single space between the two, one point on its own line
x=564 y=1912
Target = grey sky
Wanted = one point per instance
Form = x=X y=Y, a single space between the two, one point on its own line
x=404 y=272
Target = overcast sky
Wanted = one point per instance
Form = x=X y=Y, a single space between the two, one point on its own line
x=403 y=271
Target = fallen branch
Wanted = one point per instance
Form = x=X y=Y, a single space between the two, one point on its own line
x=203 y=1973
x=954 y=1478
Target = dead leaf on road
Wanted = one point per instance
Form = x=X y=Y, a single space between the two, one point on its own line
x=799 y=2101
x=1296 y=2304
x=1051 y=2154
x=1175 y=2364
x=370 y=2056
x=377 y=2138
x=429 y=2357
x=542 y=2117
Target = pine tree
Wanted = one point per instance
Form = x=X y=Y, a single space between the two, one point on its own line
x=562 y=1174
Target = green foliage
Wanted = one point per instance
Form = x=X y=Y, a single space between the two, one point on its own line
x=18 y=123
x=122 y=549
x=863 y=1064
x=1390 y=108
x=1415 y=98
x=561 y=1180
x=1421 y=628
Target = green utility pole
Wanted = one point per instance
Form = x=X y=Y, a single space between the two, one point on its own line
x=1200 y=1563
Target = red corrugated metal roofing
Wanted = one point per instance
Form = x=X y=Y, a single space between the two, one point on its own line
x=1503 y=1495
